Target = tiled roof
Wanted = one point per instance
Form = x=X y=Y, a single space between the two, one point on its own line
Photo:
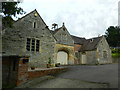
x=90 y=44
x=52 y=31
x=78 y=40
x=87 y=44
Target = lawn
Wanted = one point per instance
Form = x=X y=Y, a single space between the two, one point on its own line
x=116 y=55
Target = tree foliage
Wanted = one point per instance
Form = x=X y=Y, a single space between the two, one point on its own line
x=9 y=10
x=113 y=36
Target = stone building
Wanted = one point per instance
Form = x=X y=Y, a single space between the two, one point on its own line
x=92 y=51
x=30 y=43
x=64 y=48
x=30 y=36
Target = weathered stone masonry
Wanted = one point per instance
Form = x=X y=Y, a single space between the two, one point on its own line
x=31 y=37
x=15 y=39
x=64 y=43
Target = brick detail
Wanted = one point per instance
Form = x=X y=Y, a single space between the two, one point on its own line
x=34 y=74
x=22 y=72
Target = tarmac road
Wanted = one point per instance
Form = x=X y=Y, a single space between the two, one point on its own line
x=80 y=76
x=100 y=73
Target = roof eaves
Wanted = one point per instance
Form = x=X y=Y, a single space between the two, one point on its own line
x=25 y=15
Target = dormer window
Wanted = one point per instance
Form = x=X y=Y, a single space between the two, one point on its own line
x=34 y=25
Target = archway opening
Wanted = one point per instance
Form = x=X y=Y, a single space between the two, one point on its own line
x=62 y=57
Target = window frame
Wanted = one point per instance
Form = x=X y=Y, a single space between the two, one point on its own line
x=105 y=55
x=31 y=45
x=34 y=24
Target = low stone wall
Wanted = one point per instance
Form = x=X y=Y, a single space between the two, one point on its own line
x=116 y=60
x=51 y=71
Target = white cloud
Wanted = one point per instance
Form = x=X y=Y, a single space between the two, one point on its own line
x=84 y=18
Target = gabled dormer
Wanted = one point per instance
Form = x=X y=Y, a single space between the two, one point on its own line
x=63 y=36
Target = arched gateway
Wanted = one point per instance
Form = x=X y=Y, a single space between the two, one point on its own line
x=64 y=54
x=62 y=57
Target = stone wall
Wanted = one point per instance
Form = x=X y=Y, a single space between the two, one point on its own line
x=16 y=75
x=64 y=43
x=77 y=54
x=91 y=57
x=15 y=39
x=63 y=37
x=98 y=55
x=39 y=73
x=103 y=47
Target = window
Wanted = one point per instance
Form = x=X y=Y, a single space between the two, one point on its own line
x=34 y=24
x=28 y=44
x=32 y=44
x=104 y=54
x=37 y=45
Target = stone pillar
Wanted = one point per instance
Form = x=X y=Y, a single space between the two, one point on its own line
x=71 y=59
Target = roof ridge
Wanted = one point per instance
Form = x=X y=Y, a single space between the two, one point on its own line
x=26 y=15
x=95 y=37
x=29 y=14
x=78 y=37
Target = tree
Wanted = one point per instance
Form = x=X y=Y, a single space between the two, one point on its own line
x=113 y=36
x=9 y=10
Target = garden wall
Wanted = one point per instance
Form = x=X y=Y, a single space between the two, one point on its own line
x=50 y=71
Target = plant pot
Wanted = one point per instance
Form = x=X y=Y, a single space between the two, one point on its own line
x=48 y=65
x=57 y=64
x=32 y=68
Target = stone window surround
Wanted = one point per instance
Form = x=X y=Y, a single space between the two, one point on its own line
x=35 y=24
x=30 y=45
x=105 y=54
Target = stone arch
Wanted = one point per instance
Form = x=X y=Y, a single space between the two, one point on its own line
x=62 y=57
x=68 y=50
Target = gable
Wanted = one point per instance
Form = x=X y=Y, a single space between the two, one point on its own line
x=35 y=25
x=103 y=44
x=63 y=37
x=29 y=19
x=23 y=28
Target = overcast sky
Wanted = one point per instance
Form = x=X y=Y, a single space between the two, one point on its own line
x=83 y=18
